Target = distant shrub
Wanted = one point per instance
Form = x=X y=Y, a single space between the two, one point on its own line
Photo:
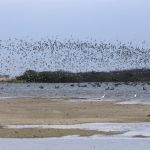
x=64 y=77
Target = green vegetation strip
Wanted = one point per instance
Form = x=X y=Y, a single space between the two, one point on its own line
x=142 y=75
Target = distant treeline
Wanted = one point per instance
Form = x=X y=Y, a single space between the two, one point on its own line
x=66 y=77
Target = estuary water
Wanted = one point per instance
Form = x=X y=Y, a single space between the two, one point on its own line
x=76 y=143
x=131 y=93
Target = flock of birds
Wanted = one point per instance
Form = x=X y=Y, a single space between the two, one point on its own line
x=19 y=55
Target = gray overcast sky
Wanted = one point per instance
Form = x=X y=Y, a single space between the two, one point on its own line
x=124 y=20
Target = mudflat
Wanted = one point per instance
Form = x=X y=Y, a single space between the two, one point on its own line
x=43 y=133
x=55 y=111
x=44 y=111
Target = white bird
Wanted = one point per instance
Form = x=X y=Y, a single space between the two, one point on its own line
x=103 y=96
x=135 y=95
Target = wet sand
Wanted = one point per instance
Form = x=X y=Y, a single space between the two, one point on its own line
x=44 y=133
x=32 y=111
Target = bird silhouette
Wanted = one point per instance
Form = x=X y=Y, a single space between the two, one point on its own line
x=52 y=54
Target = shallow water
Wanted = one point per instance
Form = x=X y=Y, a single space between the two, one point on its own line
x=131 y=93
x=125 y=129
x=75 y=143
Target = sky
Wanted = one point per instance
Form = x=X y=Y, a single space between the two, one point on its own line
x=123 y=20
x=101 y=20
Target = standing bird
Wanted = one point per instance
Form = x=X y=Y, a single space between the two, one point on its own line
x=103 y=96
